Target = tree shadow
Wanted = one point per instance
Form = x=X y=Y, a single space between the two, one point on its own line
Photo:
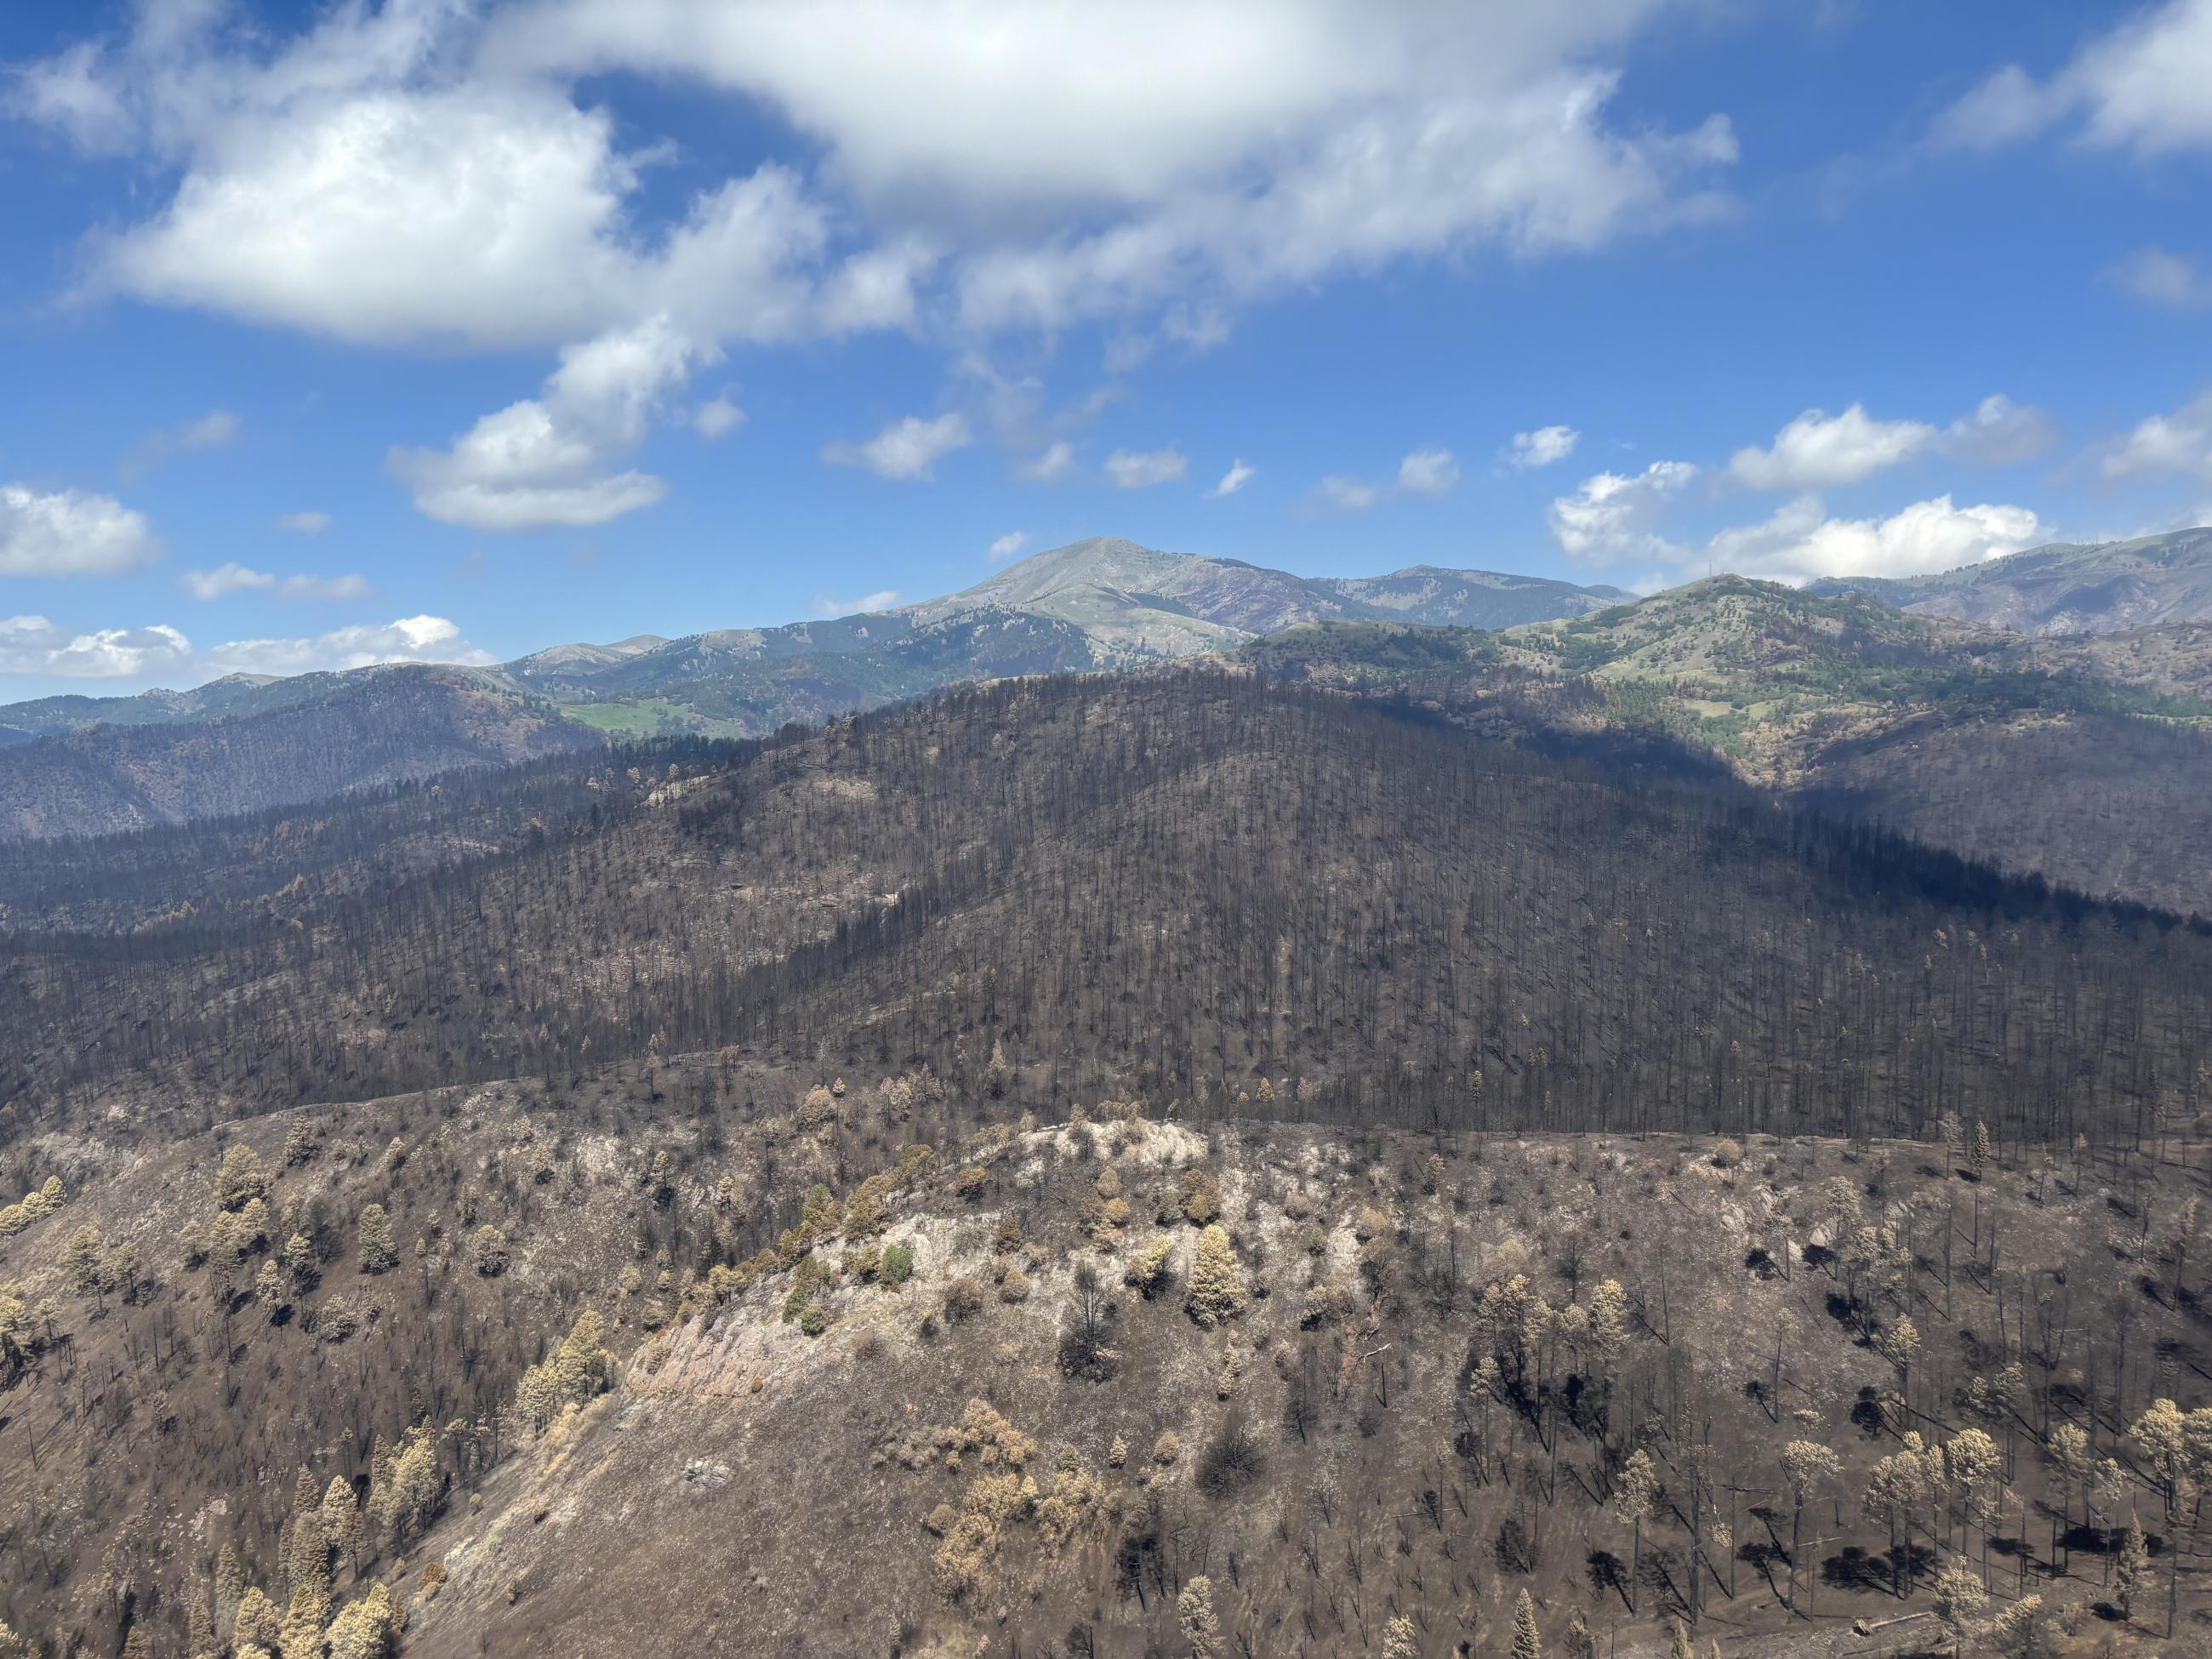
x=1607 y=1572
x=1856 y=1569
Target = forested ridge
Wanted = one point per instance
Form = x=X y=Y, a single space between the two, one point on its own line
x=1182 y=883
x=1168 y=1163
x=355 y=732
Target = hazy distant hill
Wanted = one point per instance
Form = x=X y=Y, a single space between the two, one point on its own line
x=66 y=765
x=1102 y=603
x=2088 y=758
x=377 y=727
x=2065 y=588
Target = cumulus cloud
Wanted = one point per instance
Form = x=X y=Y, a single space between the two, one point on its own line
x=32 y=645
x=234 y=578
x=909 y=448
x=1050 y=464
x=716 y=418
x=1817 y=450
x=408 y=638
x=867 y=604
x=1234 y=479
x=70 y=532
x=1541 y=447
x=2139 y=87
x=1428 y=473
x=2164 y=278
x=2179 y=442
x=1132 y=469
x=343 y=179
x=550 y=460
x=209 y=431
x=304 y=524
x=1347 y=495
x=438 y=174
x=2001 y=431
x=1611 y=517
x=1799 y=542
x=1008 y=546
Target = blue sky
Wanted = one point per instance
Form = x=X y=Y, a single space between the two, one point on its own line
x=451 y=331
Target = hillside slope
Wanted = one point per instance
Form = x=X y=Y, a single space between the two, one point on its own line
x=1181 y=882
x=2083 y=758
x=831 y=1368
x=1097 y=603
x=356 y=732
x=2065 y=588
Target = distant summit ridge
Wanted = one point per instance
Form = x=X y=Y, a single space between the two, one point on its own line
x=2066 y=588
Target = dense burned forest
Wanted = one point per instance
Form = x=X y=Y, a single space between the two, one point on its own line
x=1248 y=899
x=1180 y=1164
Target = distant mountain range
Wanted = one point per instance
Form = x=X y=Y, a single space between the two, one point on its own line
x=2085 y=757
x=1777 y=682
x=91 y=765
x=2064 y=588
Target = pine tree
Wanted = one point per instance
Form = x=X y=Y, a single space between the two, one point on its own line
x=1959 y=1597
x=341 y=1521
x=1679 y=1647
x=1217 y=1282
x=257 y=1623
x=229 y=1585
x=1194 y=1613
x=1639 y=1485
x=1399 y=1640
x=1527 y=1644
x=364 y=1630
x=2131 y=1574
x=241 y=1180
x=379 y=1252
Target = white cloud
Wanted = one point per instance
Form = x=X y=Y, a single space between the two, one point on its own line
x=2167 y=279
x=32 y=645
x=353 y=199
x=2179 y=442
x=1248 y=137
x=548 y=460
x=304 y=524
x=209 y=431
x=223 y=579
x=1234 y=479
x=1541 y=447
x=1799 y=542
x=408 y=639
x=909 y=448
x=1348 y=494
x=234 y=578
x=1132 y=469
x=1008 y=546
x=1428 y=473
x=1610 y=518
x=867 y=604
x=436 y=174
x=1050 y=466
x=2001 y=431
x=427 y=171
x=1817 y=450
x=717 y=418
x=68 y=532
x=2139 y=87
